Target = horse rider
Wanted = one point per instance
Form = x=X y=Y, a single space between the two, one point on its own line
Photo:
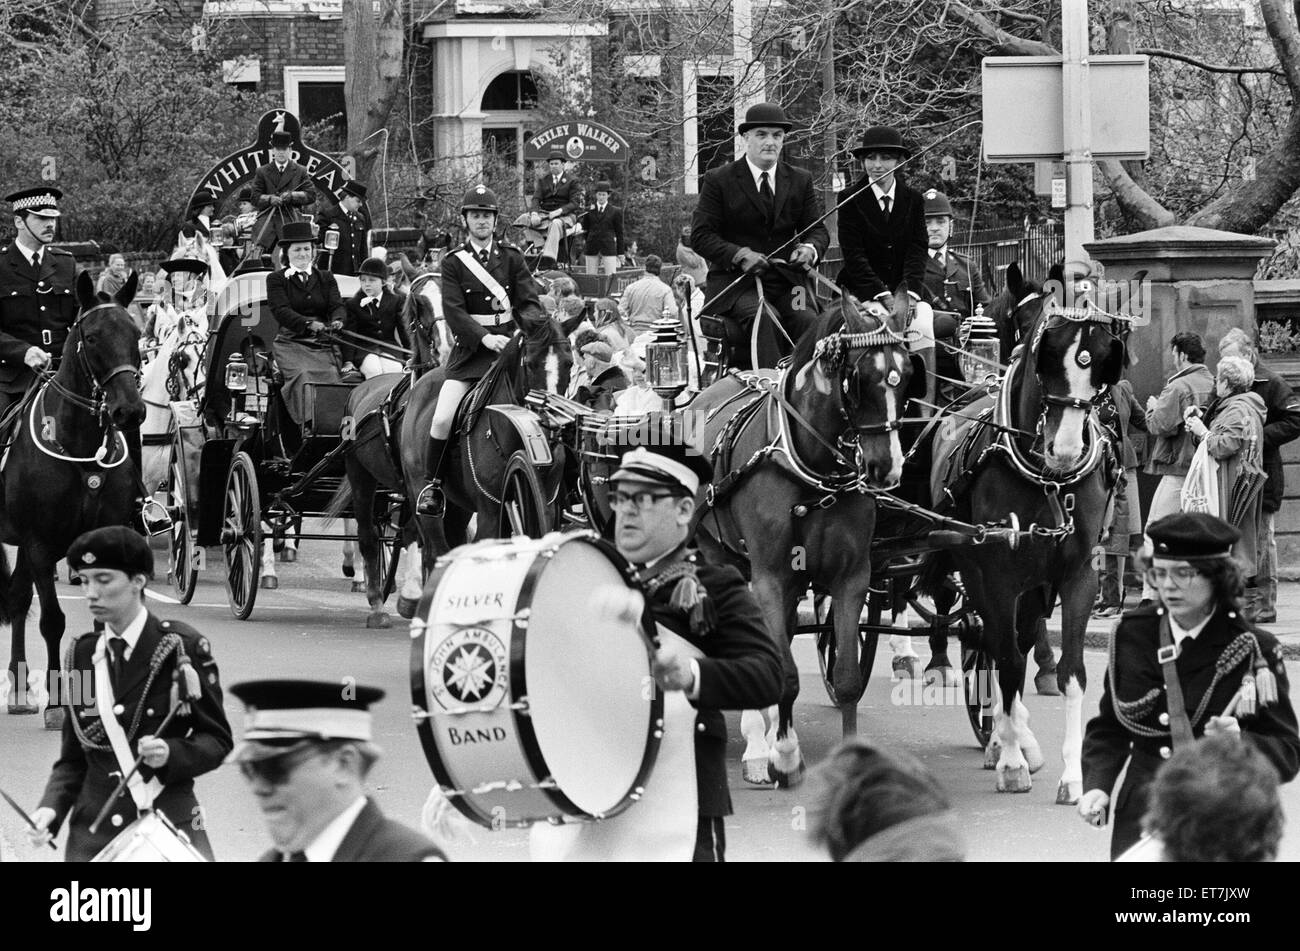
x=375 y=312
x=353 y=223
x=203 y=208
x=306 y=751
x=141 y=668
x=603 y=224
x=487 y=291
x=951 y=283
x=281 y=189
x=749 y=209
x=187 y=291
x=558 y=199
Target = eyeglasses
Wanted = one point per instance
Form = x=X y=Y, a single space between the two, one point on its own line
x=276 y=770
x=642 y=500
x=1181 y=576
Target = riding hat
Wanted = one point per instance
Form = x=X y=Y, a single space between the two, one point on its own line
x=373 y=267
x=674 y=466
x=1191 y=536
x=185 y=266
x=936 y=204
x=280 y=139
x=602 y=186
x=115 y=547
x=202 y=200
x=765 y=115
x=354 y=187
x=290 y=713
x=479 y=198
x=882 y=138
x=295 y=232
x=245 y=194
x=42 y=200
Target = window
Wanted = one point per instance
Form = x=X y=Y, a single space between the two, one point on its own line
x=714 y=118
x=315 y=95
x=510 y=92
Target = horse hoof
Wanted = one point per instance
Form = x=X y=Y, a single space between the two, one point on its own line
x=755 y=772
x=992 y=753
x=378 y=621
x=289 y=555
x=786 y=780
x=270 y=582
x=349 y=571
x=23 y=709
x=406 y=607
x=942 y=675
x=1045 y=684
x=1014 y=780
x=904 y=668
x=1068 y=793
x=54 y=718
x=358 y=587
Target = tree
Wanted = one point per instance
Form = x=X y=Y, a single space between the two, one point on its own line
x=373 y=51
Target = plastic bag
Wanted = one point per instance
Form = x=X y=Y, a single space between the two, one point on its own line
x=1201 y=488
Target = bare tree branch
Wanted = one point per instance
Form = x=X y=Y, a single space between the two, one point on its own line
x=1286 y=41
x=1209 y=67
x=1007 y=42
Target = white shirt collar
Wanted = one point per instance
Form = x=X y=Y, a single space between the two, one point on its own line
x=331 y=837
x=291 y=271
x=132 y=633
x=29 y=253
x=473 y=246
x=755 y=173
x=939 y=254
x=280 y=168
x=371 y=300
x=1179 y=633
x=893 y=185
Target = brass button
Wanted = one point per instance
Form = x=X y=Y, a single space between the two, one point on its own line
x=149 y=712
x=119 y=709
x=699 y=727
x=116 y=820
x=1165 y=752
x=1164 y=719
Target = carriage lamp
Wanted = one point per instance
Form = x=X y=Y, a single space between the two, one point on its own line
x=332 y=238
x=218 y=236
x=236 y=374
x=665 y=361
x=980 y=343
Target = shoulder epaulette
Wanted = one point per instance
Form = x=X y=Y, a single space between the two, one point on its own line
x=49 y=249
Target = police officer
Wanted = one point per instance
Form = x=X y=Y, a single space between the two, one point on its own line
x=37 y=302
x=119 y=688
x=487 y=292
x=951 y=284
x=353 y=222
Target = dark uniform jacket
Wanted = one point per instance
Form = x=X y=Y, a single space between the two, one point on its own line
x=268 y=181
x=1281 y=425
x=730 y=216
x=881 y=253
x=1128 y=723
x=295 y=305
x=599 y=393
x=951 y=286
x=604 y=230
x=472 y=312
x=352 y=250
x=382 y=321
x=740 y=670
x=32 y=304
x=566 y=196
x=81 y=781
x=374 y=838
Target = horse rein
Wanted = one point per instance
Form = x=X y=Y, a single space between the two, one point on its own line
x=95 y=404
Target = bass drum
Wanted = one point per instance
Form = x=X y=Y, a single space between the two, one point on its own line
x=151 y=838
x=532 y=683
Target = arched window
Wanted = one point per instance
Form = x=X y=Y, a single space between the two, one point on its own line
x=510 y=92
x=507 y=101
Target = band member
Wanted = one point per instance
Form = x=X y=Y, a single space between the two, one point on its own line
x=951 y=283
x=353 y=223
x=281 y=189
x=749 y=210
x=558 y=199
x=375 y=312
x=1185 y=667
x=306 y=752
x=121 y=688
x=603 y=223
x=487 y=292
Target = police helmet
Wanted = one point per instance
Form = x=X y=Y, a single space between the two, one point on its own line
x=937 y=204
x=479 y=198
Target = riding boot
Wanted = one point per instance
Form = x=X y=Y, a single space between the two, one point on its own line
x=152 y=517
x=432 y=503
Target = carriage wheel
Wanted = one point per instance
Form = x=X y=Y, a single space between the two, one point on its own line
x=181 y=550
x=977 y=673
x=826 y=643
x=241 y=535
x=390 y=552
x=955 y=614
x=523 y=509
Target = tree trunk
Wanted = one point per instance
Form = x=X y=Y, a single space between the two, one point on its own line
x=372 y=49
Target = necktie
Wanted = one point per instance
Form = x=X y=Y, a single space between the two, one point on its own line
x=765 y=193
x=483 y=256
x=296 y=857
x=301 y=278
x=116 y=653
x=885 y=202
x=36 y=258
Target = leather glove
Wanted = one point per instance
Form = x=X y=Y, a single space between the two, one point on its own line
x=751 y=262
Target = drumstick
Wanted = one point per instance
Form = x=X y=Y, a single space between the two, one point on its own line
x=1231 y=708
x=26 y=818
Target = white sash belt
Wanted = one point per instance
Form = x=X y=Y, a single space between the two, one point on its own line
x=143 y=793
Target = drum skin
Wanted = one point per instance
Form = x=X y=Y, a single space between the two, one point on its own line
x=151 y=838
x=532 y=703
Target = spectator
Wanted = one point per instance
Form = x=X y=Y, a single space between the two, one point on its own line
x=606 y=379
x=638 y=398
x=878 y=806
x=1281 y=426
x=1233 y=432
x=1119 y=412
x=648 y=299
x=609 y=323
x=114 y=276
x=548 y=304
x=1171 y=448
x=1214 y=801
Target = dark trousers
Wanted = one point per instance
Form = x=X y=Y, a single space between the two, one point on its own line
x=772 y=345
x=710 y=840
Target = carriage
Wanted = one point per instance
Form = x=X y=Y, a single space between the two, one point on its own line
x=241 y=474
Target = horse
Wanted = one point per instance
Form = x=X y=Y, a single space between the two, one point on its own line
x=808 y=448
x=68 y=471
x=430 y=337
x=1036 y=463
x=173 y=374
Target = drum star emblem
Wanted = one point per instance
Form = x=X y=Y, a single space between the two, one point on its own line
x=468 y=672
x=469 y=667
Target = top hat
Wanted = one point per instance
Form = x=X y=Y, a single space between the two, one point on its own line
x=354 y=187
x=936 y=203
x=42 y=200
x=882 y=138
x=296 y=232
x=765 y=114
x=281 y=139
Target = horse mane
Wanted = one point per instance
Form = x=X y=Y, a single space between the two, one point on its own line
x=828 y=321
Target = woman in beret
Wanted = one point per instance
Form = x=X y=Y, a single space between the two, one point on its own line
x=1185 y=666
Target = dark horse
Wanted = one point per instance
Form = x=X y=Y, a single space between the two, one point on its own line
x=1039 y=463
x=795 y=458
x=69 y=471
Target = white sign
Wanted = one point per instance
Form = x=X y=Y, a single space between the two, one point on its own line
x=1058 y=193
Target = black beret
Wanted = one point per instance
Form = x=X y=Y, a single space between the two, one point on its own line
x=114 y=546
x=1186 y=536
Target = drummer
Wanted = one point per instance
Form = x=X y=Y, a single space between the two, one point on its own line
x=306 y=752
x=140 y=667
x=714 y=646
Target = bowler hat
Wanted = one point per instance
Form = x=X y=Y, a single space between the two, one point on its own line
x=603 y=186
x=115 y=547
x=296 y=232
x=1188 y=536
x=281 y=139
x=202 y=200
x=765 y=115
x=882 y=138
x=373 y=267
x=354 y=187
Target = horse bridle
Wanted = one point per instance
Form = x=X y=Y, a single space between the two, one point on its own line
x=98 y=386
x=1061 y=317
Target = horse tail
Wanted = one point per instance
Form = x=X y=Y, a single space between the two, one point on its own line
x=5 y=578
x=339 y=502
x=935 y=566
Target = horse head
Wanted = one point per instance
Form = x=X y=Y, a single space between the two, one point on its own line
x=422 y=314
x=854 y=369
x=103 y=352
x=546 y=356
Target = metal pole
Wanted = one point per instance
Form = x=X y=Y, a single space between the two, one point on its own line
x=1077 y=130
x=828 y=100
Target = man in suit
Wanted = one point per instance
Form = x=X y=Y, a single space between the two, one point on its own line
x=752 y=209
x=951 y=283
x=120 y=687
x=376 y=313
x=281 y=189
x=353 y=223
x=306 y=752
x=712 y=643
x=603 y=223
x=558 y=198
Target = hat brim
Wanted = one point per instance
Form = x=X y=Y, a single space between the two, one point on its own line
x=746 y=126
x=900 y=151
x=301 y=240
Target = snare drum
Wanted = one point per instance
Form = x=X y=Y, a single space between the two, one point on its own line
x=151 y=838
x=532 y=702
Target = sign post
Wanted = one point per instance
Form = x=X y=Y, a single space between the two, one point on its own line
x=1076 y=111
